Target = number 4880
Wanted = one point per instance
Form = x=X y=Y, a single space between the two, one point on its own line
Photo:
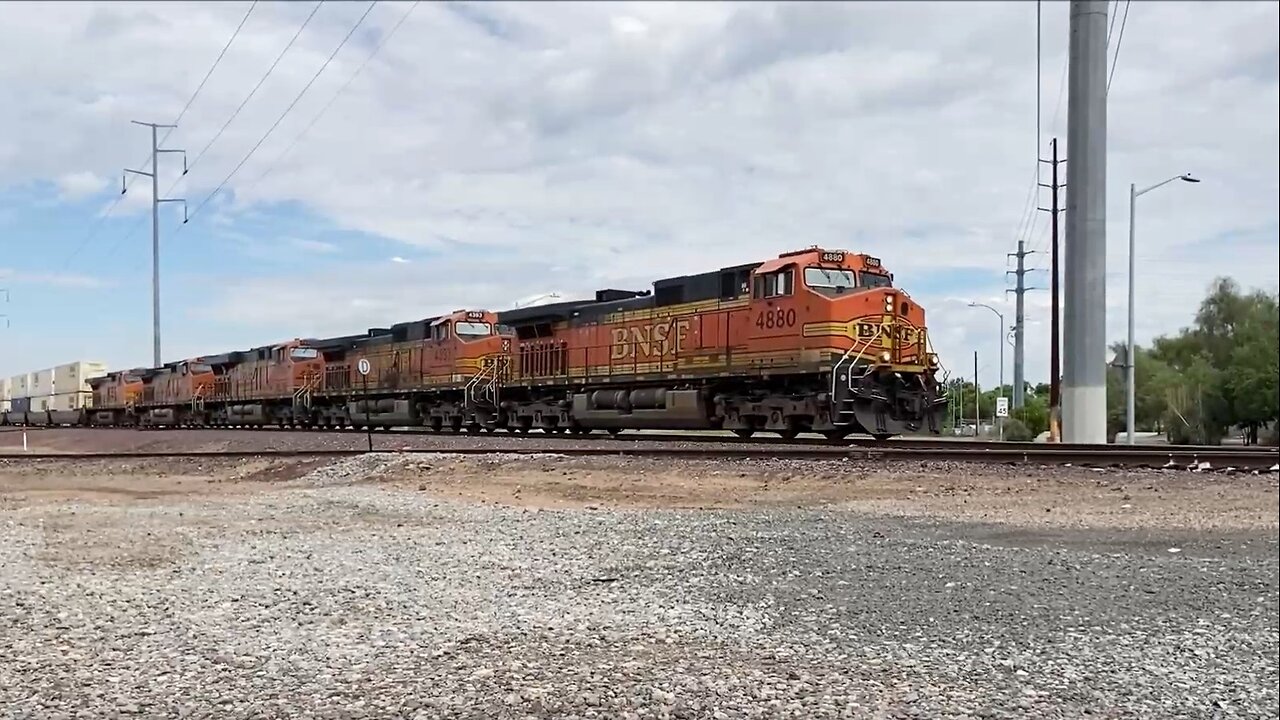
x=776 y=318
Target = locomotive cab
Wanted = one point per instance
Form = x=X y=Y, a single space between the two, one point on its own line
x=870 y=335
x=305 y=363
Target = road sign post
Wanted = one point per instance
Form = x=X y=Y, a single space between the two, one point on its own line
x=1002 y=412
x=1002 y=407
x=363 y=368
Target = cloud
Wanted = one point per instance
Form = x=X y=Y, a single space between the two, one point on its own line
x=625 y=142
x=313 y=246
x=75 y=185
x=399 y=260
x=76 y=281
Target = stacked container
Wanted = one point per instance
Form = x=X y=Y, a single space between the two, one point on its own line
x=71 y=383
x=42 y=390
x=20 y=386
x=4 y=394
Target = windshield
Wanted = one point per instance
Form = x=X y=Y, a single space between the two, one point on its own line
x=872 y=280
x=472 y=328
x=302 y=353
x=816 y=277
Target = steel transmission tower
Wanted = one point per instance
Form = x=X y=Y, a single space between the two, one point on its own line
x=155 y=224
x=1020 y=322
x=1084 y=321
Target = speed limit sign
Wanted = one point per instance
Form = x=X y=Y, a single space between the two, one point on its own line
x=363 y=366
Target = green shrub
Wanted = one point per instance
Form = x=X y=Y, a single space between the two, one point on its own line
x=1016 y=431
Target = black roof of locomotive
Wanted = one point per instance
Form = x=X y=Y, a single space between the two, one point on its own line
x=667 y=291
x=630 y=300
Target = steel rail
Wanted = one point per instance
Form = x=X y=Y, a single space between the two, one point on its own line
x=1124 y=457
x=694 y=436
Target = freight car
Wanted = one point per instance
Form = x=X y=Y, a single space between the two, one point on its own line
x=810 y=341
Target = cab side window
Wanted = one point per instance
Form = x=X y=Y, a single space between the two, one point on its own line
x=774 y=284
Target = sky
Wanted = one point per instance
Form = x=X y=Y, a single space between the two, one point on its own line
x=454 y=155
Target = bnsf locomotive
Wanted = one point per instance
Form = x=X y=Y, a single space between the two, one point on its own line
x=811 y=341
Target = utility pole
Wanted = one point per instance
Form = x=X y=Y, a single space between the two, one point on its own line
x=1084 y=327
x=977 y=398
x=1055 y=375
x=155 y=224
x=1019 y=322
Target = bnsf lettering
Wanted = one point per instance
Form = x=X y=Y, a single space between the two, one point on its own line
x=666 y=338
x=903 y=334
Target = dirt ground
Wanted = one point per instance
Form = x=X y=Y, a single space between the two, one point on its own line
x=1026 y=497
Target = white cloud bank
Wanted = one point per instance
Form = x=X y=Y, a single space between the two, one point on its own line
x=597 y=144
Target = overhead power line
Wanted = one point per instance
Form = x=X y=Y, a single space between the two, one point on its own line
x=93 y=229
x=276 y=124
x=213 y=67
x=1115 y=59
x=261 y=80
x=336 y=95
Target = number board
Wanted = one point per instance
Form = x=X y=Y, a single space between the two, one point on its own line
x=475 y=315
x=776 y=319
x=363 y=366
x=871 y=262
x=831 y=257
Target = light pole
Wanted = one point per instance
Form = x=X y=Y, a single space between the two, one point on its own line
x=1000 y=342
x=1130 y=391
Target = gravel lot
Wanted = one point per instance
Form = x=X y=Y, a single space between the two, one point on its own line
x=440 y=587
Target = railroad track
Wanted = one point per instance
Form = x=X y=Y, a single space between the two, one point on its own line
x=1122 y=456
x=699 y=436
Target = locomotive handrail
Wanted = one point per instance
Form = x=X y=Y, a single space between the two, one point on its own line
x=836 y=369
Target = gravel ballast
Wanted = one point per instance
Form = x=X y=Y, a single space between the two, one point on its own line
x=332 y=596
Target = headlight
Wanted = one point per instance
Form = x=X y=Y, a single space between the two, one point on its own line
x=885 y=356
x=888 y=303
x=933 y=360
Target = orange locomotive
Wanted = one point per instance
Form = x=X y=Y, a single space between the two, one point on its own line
x=811 y=341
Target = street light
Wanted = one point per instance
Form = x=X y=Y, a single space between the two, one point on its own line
x=1001 y=344
x=1130 y=393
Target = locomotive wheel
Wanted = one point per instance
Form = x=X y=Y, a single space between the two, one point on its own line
x=744 y=433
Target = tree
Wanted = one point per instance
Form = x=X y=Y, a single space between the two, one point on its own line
x=1253 y=385
x=1222 y=371
x=1033 y=415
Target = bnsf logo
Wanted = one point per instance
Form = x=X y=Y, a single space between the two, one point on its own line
x=870 y=330
x=665 y=338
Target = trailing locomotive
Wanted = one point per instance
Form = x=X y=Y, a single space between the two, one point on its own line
x=811 y=341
